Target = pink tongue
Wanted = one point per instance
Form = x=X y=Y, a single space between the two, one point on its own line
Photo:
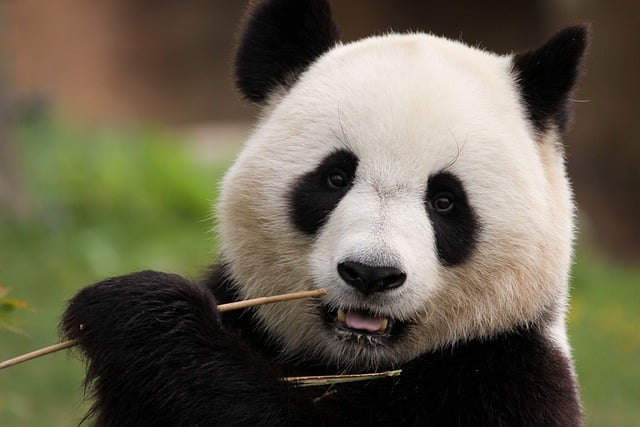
x=363 y=322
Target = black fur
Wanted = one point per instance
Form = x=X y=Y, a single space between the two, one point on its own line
x=547 y=76
x=158 y=355
x=314 y=198
x=280 y=40
x=456 y=231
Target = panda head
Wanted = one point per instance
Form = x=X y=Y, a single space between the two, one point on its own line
x=420 y=181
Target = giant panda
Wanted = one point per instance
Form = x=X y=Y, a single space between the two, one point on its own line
x=421 y=182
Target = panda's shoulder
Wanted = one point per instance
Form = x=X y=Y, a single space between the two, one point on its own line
x=219 y=282
x=243 y=323
x=521 y=374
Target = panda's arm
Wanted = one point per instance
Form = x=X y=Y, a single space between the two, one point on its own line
x=158 y=355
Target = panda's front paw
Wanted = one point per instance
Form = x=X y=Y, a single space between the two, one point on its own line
x=140 y=311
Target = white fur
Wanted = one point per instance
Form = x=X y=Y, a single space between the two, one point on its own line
x=408 y=106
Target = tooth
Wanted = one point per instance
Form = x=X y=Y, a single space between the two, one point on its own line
x=342 y=317
x=383 y=325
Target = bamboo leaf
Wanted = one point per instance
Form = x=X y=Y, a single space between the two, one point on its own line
x=7 y=306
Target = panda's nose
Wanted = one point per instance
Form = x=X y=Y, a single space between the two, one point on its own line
x=368 y=278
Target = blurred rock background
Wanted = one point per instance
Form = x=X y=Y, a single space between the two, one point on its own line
x=168 y=62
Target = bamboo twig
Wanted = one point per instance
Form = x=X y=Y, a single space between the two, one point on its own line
x=312 y=381
x=37 y=353
x=270 y=300
x=221 y=308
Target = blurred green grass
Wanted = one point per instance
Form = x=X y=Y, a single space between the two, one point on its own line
x=102 y=203
x=107 y=202
x=604 y=330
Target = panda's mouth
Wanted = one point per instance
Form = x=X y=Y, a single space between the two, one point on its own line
x=359 y=322
x=362 y=322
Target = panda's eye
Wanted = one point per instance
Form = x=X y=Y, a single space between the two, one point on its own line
x=443 y=202
x=337 y=179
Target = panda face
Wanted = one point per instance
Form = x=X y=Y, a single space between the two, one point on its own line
x=418 y=180
x=403 y=175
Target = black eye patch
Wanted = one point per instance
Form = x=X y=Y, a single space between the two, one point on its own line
x=454 y=222
x=317 y=193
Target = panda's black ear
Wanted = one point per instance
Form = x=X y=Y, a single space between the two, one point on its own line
x=279 y=40
x=547 y=76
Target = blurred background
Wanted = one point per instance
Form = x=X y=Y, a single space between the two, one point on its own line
x=118 y=119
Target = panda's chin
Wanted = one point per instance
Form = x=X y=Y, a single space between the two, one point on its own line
x=356 y=324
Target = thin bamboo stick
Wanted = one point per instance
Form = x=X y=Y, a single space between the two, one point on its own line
x=270 y=300
x=37 y=353
x=312 y=381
